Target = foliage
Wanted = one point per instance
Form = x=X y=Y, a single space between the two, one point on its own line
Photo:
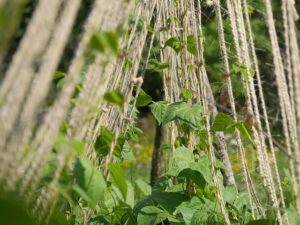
x=185 y=193
x=105 y=41
x=115 y=97
x=180 y=111
x=90 y=184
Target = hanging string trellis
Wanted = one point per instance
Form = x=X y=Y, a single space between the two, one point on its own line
x=26 y=86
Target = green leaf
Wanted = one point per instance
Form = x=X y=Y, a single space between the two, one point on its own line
x=104 y=41
x=203 y=138
x=77 y=146
x=58 y=75
x=175 y=43
x=245 y=131
x=293 y=215
x=187 y=209
x=133 y=133
x=181 y=159
x=122 y=214
x=128 y=64
x=186 y=94
x=119 y=177
x=154 y=65
x=115 y=97
x=90 y=180
x=58 y=218
x=226 y=123
x=230 y=194
x=167 y=200
x=194 y=176
x=130 y=194
x=203 y=166
x=223 y=122
x=260 y=222
x=183 y=164
x=117 y=152
x=241 y=68
x=143 y=99
x=154 y=215
x=238 y=86
x=242 y=201
x=127 y=152
x=158 y=110
x=165 y=147
x=140 y=21
x=13 y=212
x=83 y=195
x=61 y=142
x=103 y=142
x=152 y=210
x=172 y=20
x=150 y=28
x=189 y=115
x=191 y=44
x=143 y=187
x=60 y=83
x=146 y=219
x=207 y=212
